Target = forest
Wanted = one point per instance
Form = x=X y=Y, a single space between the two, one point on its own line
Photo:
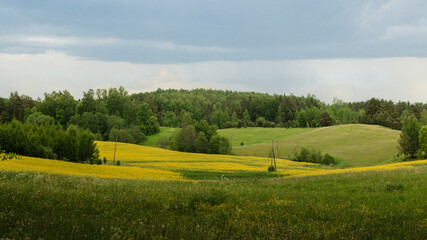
x=115 y=115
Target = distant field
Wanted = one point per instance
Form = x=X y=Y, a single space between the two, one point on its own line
x=356 y=144
x=152 y=140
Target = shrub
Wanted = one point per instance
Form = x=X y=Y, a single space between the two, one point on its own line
x=328 y=159
x=260 y=121
x=268 y=124
x=313 y=156
x=271 y=169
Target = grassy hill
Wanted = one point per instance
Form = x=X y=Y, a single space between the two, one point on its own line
x=355 y=144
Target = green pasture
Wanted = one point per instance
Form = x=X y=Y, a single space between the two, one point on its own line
x=152 y=140
x=355 y=144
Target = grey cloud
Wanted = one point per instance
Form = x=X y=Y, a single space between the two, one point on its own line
x=347 y=79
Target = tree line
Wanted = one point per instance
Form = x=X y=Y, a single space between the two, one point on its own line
x=50 y=141
x=413 y=139
x=114 y=114
x=105 y=109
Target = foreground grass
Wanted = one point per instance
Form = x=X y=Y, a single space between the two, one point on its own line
x=367 y=205
x=355 y=144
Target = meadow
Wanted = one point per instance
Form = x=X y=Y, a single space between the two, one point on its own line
x=162 y=194
x=355 y=144
x=152 y=140
x=362 y=205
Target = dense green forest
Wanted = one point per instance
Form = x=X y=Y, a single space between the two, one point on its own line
x=49 y=141
x=114 y=114
x=104 y=109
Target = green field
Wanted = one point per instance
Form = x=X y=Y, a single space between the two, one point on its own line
x=152 y=140
x=366 y=205
x=355 y=145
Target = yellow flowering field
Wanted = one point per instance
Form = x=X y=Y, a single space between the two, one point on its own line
x=149 y=157
x=78 y=169
x=148 y=163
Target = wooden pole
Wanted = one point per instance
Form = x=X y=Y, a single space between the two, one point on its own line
x=115 y=147
x=275 y=166
x=272 y=153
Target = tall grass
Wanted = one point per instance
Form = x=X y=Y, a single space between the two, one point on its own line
x=369 y=205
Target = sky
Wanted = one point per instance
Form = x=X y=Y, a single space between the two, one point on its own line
x=351 y=50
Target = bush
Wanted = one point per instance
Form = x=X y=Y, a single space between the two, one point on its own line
x=251 y=124
x=219 y=145
x=271 y=169
x=328 y=159
x=229 y=124
x=268 y=124
x=260 y=121
x=313 y=156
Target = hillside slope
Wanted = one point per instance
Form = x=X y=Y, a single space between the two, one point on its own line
x=355 y=144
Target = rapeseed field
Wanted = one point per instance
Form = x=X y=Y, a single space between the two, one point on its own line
x=30 y=164
x=148 y=163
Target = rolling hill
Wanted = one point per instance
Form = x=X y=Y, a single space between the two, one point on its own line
x=355 y=144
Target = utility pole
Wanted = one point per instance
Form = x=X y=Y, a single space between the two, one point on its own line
x=273 y=157
x=115 y=147
x=272 y=153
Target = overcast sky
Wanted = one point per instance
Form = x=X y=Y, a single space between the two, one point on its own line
x=353 y=50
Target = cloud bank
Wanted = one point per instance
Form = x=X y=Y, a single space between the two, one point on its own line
x=396 y=79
